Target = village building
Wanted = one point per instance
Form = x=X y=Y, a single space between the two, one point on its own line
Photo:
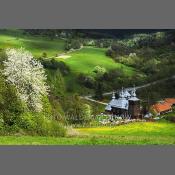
x=171 y=101
x=164 y=106
x=126 y=106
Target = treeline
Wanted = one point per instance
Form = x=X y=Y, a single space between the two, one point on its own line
x=152 y=54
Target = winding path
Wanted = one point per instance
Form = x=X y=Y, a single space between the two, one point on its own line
x=89 y=97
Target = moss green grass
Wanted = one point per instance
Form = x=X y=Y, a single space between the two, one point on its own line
x=141 y=133
x=84 y=61
x=36 y=45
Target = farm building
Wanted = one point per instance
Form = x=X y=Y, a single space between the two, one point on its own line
x=164 y=106
x=126 y=106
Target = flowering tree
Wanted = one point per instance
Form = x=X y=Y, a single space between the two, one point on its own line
x=28 y=76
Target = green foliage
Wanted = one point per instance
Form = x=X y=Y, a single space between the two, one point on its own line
x=86 y=80
x=77 y=112
x=44 y=55
x=10 y=105
x=3 y=56
x=54 y=65
x=57 y=111
x=150 y=67
x=99 y=89
x=99 y=71
x=56 y=82
x=27 y=121
x=103 y=43
x=72 y=44
x=47 y=108
x=47 y=127
x=38 y=124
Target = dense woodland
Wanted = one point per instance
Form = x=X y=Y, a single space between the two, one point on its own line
x=117 y=59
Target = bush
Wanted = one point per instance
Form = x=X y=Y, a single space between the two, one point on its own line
x=10 y=104
x=47 y=127
x=44 y=55
x=77 y=112
x=112 y=74
x=27 y=122
x=1 y=122
x=99 y=71
x=72 y=44
x=86 y=80
x=54 y=64
x=38 y=124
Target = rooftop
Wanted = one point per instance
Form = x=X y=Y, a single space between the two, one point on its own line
x=170 y=100
x=122 y=102
x=161 y=107
x=164 y=105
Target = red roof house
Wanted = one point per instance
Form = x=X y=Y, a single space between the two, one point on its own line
x=161 y=108
x=170 y=101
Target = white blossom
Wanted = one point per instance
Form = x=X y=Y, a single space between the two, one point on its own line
x=27 y=75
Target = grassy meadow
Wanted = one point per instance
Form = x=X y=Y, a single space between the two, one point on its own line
x=37 y=45
x=84 y=61
x=140 y=133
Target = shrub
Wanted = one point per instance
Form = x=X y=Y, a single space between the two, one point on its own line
x=99 y=71
x=86 y=80
x=1 y=122
x=47 y=127
x=27 y=121
x=44 y=55
x=10 y=105
x=72 y=44
x=77 y=112
x=56 y=81
x=54 y=64
x=38 y=124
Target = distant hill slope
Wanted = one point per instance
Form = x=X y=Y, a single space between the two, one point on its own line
x=37 y=45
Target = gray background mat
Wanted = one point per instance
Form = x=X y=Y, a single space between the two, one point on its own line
x=87 y=14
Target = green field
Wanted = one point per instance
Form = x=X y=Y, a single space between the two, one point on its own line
x=141 y=133
x=36 y=45
x=86 y=59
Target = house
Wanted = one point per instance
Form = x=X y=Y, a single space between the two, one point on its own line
x=164 y=106
x=126 y=106
x=171 y=101
x=161 y=108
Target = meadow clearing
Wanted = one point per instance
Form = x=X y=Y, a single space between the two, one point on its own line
x=140 y=133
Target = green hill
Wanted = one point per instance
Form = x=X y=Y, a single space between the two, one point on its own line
x=37 y=45
x=86 y=59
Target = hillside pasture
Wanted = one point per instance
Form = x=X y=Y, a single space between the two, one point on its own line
x=36 y=45
x=84 y=61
